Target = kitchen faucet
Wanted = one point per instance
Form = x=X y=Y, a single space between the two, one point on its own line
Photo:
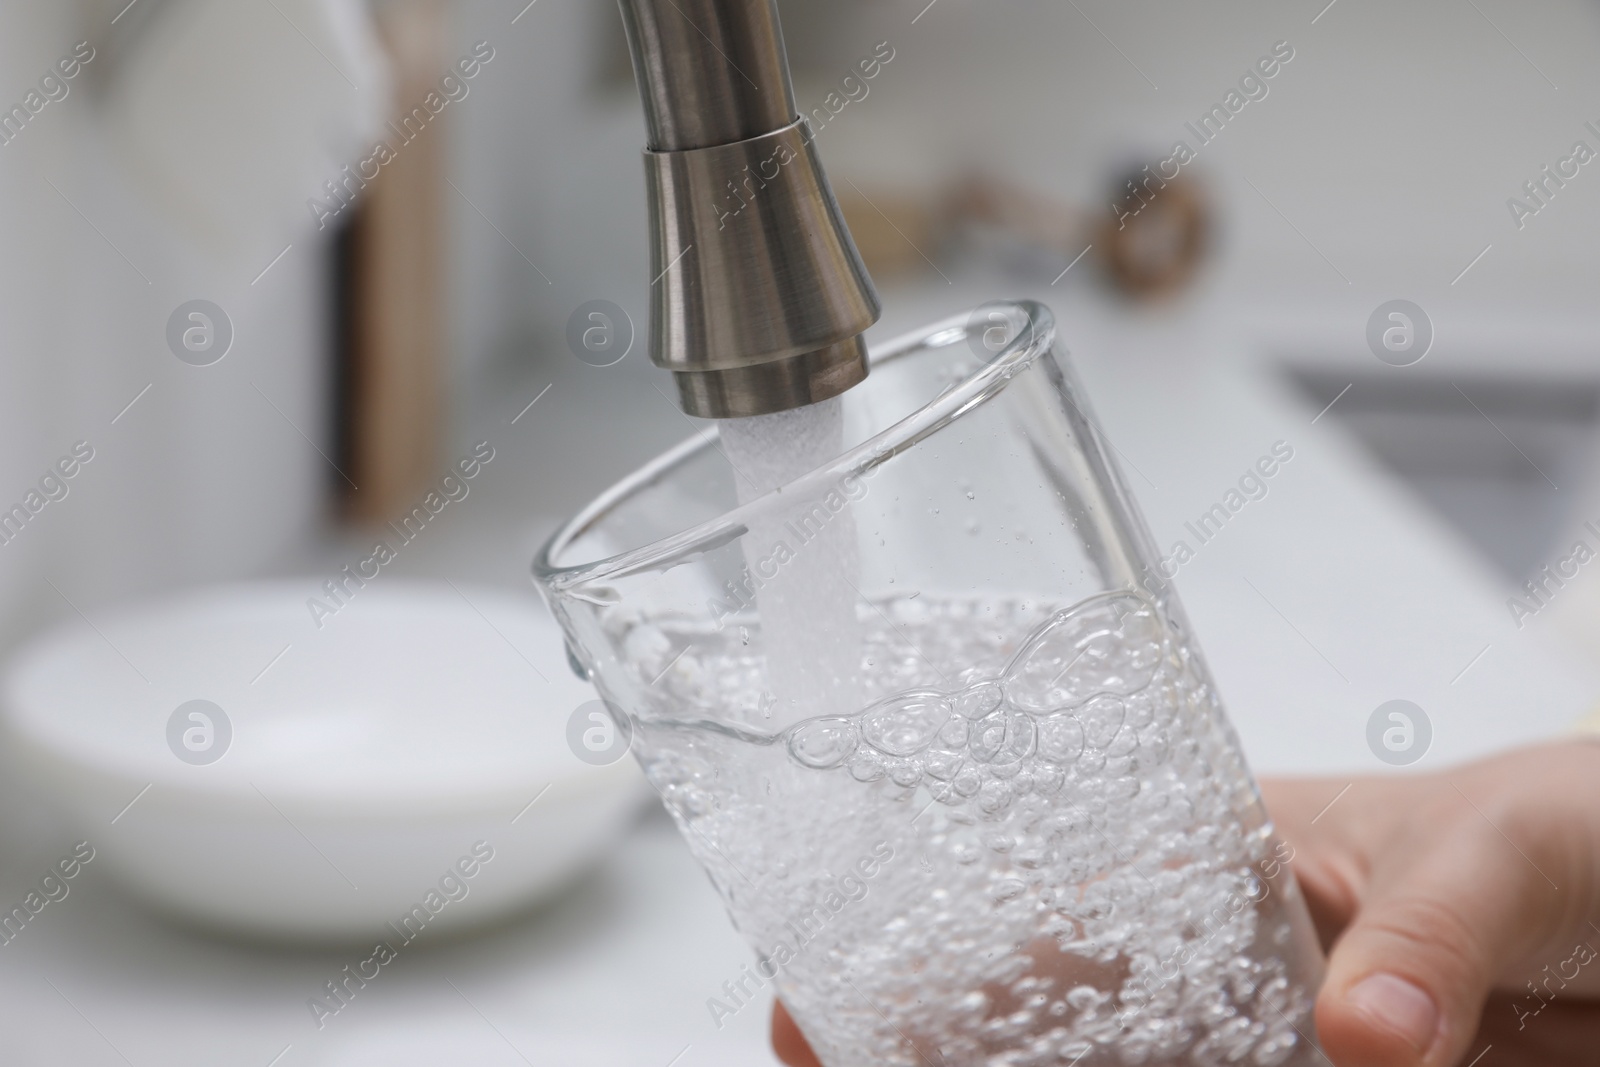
x=760 y=297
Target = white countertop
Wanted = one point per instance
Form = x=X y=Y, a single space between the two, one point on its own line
x=615 y=971
x=1359 y=596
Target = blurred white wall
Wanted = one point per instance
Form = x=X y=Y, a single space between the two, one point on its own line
x=214 y=471
x=1387 y=147
x=550 y=156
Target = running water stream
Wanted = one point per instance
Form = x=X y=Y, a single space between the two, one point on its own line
x=806 y=560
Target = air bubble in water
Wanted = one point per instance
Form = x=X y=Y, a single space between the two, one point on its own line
x=942 y=765
x=1002 y=737
x=905 y=773
x=952 y=736
x=1111 y=646
x=1060 y=738
x=978 y=700
x=905 y=725
x=1009 y=889
x=1102 y=718
x=866 y=766
x=822 y=743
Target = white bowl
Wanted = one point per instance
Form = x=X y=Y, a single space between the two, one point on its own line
x=369 y=755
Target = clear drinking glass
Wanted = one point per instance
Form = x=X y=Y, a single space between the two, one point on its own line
x=984 y=807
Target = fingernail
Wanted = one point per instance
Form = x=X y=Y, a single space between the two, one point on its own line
x=1398 y=1006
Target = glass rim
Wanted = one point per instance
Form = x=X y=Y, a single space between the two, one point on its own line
x=949 y=405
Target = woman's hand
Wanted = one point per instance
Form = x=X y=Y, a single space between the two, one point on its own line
x=1462 y=909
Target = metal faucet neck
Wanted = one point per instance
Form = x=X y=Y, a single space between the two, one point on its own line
x=760 y=297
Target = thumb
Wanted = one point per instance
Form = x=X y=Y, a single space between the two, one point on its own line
x=1408 y=978
x=787 y=1040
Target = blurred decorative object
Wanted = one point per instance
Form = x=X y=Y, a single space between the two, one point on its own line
x=1027 y=229
x=237 y=766
x=1157 y=244
x=231 y=115
x=1151 y=244
x=894 y=230
x=392 y=314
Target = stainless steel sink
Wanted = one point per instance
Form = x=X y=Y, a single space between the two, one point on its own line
x=1506 y=461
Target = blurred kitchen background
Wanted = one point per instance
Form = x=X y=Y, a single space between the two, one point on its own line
x=376 y=344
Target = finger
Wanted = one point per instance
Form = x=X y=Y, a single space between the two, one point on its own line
x=1294 y=802
x=787 y=1040
x=1330 y=867
x=1407 y=981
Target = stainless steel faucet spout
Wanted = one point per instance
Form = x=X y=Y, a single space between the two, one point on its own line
x=760 y=297
x=710 y=71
